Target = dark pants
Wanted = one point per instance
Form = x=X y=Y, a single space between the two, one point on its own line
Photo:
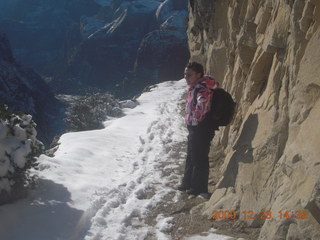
x=197 y=163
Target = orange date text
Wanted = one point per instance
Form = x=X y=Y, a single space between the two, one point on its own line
x=263 y=214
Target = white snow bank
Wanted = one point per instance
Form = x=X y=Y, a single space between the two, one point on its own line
x=211 y=235
x=101 y=184
x=17 y=142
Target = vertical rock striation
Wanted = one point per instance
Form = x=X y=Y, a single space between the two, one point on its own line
x=266 y=53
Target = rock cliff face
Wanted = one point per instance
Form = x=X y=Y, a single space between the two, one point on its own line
x=266 y=53
x=24 y=90
x=163 y=53
x=40 y=31
x=127 y=46
x=119 y=46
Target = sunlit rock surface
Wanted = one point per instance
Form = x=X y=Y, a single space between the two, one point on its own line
x=266 y=53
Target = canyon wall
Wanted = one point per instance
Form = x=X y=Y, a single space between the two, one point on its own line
x=81 y=46
x=23 y=90
x=266 y=54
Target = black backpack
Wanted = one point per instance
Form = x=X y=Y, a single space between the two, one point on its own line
x=222 y=107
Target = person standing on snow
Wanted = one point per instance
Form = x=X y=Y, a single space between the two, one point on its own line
x=200 y=127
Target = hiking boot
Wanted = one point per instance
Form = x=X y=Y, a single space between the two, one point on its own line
x=182 y=188
x=193 y=192
x=205 y=195
x=196 y=193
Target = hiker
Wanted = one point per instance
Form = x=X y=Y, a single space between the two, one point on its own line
x=200 y=127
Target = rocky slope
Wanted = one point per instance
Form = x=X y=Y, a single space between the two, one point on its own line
x=24 y=90
x=41 y=31
x=163 y=53
x=128 y=45
x=266 y=53
x=116 y=45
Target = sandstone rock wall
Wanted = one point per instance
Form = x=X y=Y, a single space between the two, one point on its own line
x=266 y=53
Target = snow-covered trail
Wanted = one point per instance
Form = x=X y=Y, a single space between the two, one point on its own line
x=118 y=210
x=99 y=183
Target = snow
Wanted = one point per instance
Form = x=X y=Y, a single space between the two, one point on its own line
x=209 y=236
x=17 y=139
x=164 y=11
x=177 y=21
x=96 y=186
x=164 y=224
x=90 y=25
